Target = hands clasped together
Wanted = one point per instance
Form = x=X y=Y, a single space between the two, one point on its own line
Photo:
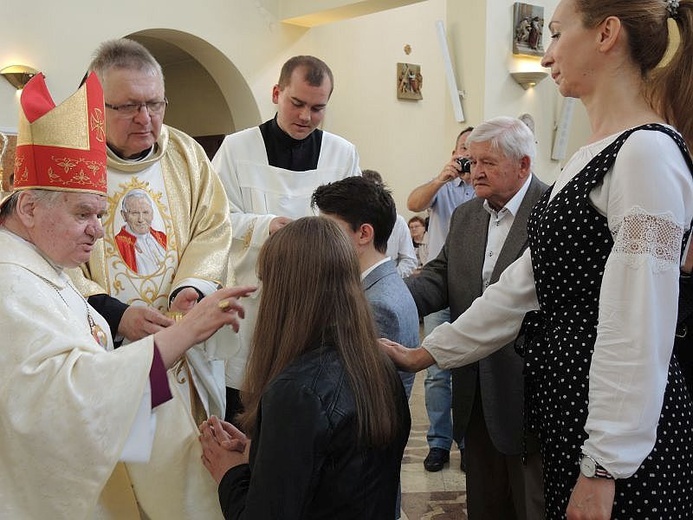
x=223 y=447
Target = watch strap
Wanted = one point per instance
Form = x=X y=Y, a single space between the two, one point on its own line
x=601 y=472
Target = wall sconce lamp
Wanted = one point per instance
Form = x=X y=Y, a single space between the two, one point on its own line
x=18 y=75
x=529 y=79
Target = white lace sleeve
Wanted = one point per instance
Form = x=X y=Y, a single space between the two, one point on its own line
x=640 y=237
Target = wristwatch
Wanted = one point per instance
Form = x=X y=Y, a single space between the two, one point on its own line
x=592 y=469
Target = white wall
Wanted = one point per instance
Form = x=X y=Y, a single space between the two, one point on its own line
x=407 y=141
x=404 y=140
x=61 y=40
x=505 y=97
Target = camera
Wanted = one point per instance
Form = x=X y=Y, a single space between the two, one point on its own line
x=465 y=164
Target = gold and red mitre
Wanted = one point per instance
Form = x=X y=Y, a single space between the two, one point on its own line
x=61 y=148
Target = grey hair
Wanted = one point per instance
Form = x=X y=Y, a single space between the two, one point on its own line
x=509 y=135
x=136 y=194
x=123 y=53
x=48 y=197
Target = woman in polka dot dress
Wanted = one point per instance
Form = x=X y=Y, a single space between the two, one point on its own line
x=600 y=279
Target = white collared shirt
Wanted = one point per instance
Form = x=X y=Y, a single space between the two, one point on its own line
x=498 y=228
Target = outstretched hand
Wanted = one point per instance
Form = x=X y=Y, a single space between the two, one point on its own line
x=212 y=312
x=407 y=359
x=220 y=308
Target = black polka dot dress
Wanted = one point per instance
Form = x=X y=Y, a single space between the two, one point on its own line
x=570 y=242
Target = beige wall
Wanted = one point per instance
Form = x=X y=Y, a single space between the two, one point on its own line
x=405 y=140
x=241 y=44
x=409 y=141
x=61 y=40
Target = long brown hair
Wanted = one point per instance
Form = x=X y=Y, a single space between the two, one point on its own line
x=670 y=85
x=312 y=295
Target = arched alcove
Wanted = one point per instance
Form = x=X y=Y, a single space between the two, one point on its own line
x=208 y=96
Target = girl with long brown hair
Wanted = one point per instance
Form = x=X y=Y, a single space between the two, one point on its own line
x=324 y=407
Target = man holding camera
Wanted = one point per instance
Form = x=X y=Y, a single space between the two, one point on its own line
x=442 y=194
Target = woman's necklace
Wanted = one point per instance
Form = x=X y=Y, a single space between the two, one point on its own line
x=97 y=331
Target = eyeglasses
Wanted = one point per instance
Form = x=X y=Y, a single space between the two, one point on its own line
x=132 y=109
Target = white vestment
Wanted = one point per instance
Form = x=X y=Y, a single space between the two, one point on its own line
x=257 y=194
x=68 y=406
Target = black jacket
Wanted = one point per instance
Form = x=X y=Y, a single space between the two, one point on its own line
x=305 y=461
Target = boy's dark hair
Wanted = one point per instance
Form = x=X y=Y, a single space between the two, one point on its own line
x=359 y=201
x=372 y=175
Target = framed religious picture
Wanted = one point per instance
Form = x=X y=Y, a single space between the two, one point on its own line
x=409 y=81
x=528 y=23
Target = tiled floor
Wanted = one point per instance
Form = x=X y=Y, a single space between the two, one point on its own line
x=429 y=496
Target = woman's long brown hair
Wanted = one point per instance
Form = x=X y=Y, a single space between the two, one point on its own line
x=669 y=84
x=312 y=295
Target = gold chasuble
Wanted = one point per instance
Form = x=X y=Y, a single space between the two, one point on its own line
x=168 y=226
x=188 y=205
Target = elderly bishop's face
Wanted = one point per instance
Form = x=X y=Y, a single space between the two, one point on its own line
x=65 y=228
